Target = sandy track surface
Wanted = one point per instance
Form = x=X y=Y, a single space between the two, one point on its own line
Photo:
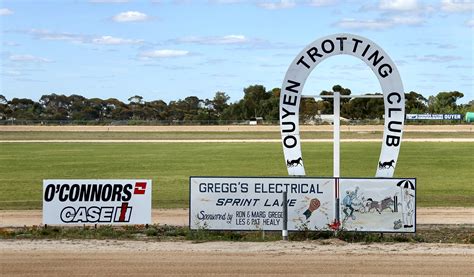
x=225 y=140
x=232 y=128
x=179 y=217
x=133 y=258
x=221 y=258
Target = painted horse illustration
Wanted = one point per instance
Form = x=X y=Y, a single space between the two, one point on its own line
x=293 y=163
x=379 y=206
x=386 y=165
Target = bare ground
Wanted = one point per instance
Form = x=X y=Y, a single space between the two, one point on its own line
x=133 y=258
x=231 y=128
x=226 y=140
x=166 y=258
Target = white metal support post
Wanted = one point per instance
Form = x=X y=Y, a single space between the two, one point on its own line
x=337 y=134
x=336 y=146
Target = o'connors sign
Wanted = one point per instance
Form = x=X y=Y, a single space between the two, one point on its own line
x=381 y=65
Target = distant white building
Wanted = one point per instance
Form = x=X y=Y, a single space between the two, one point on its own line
x=324 y=118
x=256 y=120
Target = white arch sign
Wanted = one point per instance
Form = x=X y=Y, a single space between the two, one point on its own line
x=387 y=74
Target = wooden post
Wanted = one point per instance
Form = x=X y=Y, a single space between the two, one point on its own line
x=284 y=231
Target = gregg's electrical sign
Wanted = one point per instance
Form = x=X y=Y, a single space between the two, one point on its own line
x=96 y=201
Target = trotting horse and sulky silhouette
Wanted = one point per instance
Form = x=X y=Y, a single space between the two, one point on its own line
x=292 y=163
x=386 y=165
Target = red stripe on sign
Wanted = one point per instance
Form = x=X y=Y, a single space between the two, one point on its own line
x=140 y=188
x=123 y=211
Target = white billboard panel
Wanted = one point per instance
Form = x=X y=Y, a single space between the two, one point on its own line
x=92 y=201
x=378 y=205
x=434 y=116
x=255 y=203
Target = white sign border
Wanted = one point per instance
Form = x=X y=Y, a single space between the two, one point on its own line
x=256 y=177
x=336 y=210
x=410 y=231
x=149 y=206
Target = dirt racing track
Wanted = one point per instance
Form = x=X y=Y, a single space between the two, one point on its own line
x=134 y=258
x=328 y=257
x=232 y=128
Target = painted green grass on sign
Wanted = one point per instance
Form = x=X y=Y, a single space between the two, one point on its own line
x=444 y=170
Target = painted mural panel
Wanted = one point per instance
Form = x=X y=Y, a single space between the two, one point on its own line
x=377 y=205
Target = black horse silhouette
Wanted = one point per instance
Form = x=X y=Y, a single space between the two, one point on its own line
x=386 y=165
x=293 y=163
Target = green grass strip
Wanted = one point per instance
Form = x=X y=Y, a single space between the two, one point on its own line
x=443 y=170
x=427 y=234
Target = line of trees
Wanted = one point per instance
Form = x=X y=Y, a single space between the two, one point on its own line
x=256 y=102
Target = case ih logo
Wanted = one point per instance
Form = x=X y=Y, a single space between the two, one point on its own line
x=95 y=202
x=96 y=214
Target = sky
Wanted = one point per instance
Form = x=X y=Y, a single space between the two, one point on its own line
x=169 y=50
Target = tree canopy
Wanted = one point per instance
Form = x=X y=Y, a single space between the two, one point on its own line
x=257 y=101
